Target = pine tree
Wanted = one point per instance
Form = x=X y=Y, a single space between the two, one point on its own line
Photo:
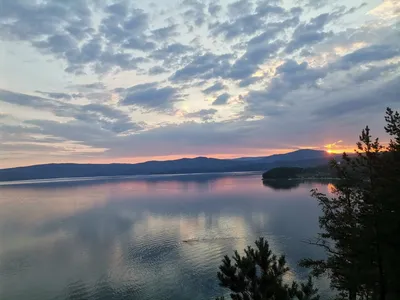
x=258 y=275
x=360 y=224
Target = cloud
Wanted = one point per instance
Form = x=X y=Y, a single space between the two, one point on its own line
x=204 y=66
x=214 y=88
x=195 y=14
x=31 y=20
x=59 y=96
x=239 y=8
x=365 y=98
x=151 y=97
x=249 y=81
x=292 y=64
x=255 y=55
x=369 y=54
x=214 y=8
x=26 y=100
x=103 y=116
x=258 y=49
x=67 y=31
x=165 y=33
x=107 y=117
x=203 y=114
x=372 y=73
x=288 y=77
x=73 y=130
x=316 y=4
x=172 y=55
x=245 y=24
x=310 y=33
x=138 y=43
x=88 y=86
x=221 y=99
x=156 y=70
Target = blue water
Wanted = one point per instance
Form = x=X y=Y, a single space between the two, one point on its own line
x=148 y=237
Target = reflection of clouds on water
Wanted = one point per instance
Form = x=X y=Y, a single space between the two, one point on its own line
x=131 y=234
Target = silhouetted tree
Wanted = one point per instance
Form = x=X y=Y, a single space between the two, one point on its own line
x=361 y=222
x=258 y=275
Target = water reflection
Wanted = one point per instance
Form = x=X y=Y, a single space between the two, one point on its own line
x=147 y=238
x=282 y=184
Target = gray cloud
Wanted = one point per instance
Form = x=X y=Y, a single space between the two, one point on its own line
x=156 y=70
x=165 y=33
x=110 y=36
x=88 y=86
x=73 y=130
x=30 y=21
x=258 y=49
x=172 y=55
x=59 y=96
x=266 y=8
x=139 y=43
x=316 y=4
x=214 y=88
x=65 y=31
x=292 y=76
x=221 y=99
x=26 y=100
x=103 y=116
x=367 y=99
x=110 y=60
x=369 y=54
x=246 y=24
x=372 y=73
x=249 y=81
x=204 y=66
x=195 y=14
x=151 y=97
x=203 y=114
x=256 y=54
x=214 y=8
x=239 y=8
x=108 y=117
x=310 y=33
x=289 y=76
x=117 y=9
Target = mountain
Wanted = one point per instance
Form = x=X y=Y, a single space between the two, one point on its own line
x=291 y=156
x=299 y=158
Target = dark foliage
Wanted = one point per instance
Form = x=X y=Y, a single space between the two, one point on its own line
x=323 y=171
x=282 y=173
x=361 y=222
x=258 y=275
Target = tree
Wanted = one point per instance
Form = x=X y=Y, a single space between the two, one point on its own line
x=361 y=222
x=258 y=275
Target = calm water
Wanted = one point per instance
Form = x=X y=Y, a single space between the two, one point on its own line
x=160 y=237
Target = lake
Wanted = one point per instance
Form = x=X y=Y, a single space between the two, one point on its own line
x=149 y=237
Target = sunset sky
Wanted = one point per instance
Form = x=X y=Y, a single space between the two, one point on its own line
x=93 y=81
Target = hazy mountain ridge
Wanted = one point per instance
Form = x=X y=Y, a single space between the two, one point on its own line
x=299 y=158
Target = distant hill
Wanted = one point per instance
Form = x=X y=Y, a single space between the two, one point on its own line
x=301 y=154
x=299 y=158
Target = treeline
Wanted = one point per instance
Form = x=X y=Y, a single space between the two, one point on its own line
x=360 y=233
x=323 y=171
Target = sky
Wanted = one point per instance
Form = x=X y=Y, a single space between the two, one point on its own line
x=98 y=81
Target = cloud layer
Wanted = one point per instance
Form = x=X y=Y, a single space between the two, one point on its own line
x=116 y=80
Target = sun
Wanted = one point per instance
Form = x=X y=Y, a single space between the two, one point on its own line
x=329 y=151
